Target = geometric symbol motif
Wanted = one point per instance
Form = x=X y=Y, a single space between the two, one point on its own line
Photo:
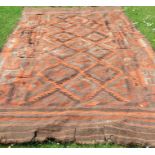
x=81 y=60
x=102 y=98
x=95 y=36
x=62 y=52
x=98 y=52
x=91 y=25
x=115 y=60
x=57 y=99
x=102 y=73
x=63 y=25
x=120 y=87
x=47 y=44
x=83 y=87
x=38 y=88
x=40 y=64
x=108 y=43
x=59 y=73
x=63 y=36
x=77 y=20
x=79 y=44
x=79 y=30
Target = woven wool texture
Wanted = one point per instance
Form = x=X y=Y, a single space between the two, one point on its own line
x=82 y=75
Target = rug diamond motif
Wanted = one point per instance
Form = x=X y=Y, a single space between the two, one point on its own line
x=82 y=75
